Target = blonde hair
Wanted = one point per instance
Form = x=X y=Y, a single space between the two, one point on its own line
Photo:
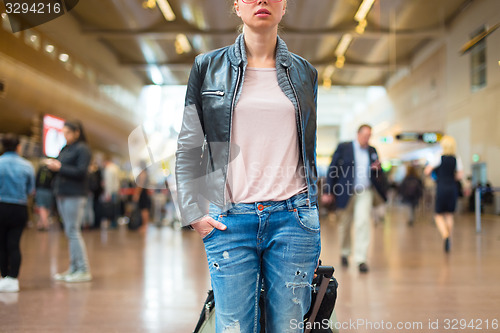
x=449 y=145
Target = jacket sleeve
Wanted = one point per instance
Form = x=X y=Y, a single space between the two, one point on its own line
x=80 y=169
x=332 y=176
x=188 y=171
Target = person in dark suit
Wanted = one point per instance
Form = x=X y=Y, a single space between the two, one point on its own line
x=354 y=171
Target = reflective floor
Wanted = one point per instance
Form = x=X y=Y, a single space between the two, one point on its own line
x=157 y=281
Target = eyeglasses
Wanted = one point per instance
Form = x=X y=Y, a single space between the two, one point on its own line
x=254 y=1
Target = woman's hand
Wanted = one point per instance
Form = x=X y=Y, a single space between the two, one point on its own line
x=53 y=165
x=327 y=198
x=206 y=224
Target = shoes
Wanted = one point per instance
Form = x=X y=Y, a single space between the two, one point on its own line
x=363 y=268
x=61 y=276
x=78 y=276
x=345 y=262
x=447 y=244
x=9 y=285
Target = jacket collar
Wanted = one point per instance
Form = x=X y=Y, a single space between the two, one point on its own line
x=238 y=55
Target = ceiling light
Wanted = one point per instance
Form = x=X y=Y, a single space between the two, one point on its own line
x=4 y=16
x=340 y=61
x=329 y=71
x=327 y=83
x=498 y=62
x=360 y=28
x=63 y=57
x=182 y=44
x=166 y=10
x=156 y=75
x=149 y=4
x=49 y=48
x=363 y=10
x=343 y=45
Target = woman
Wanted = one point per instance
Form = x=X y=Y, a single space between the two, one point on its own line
x=43 y=196
x=448 y=169
x=411 y=190
x=70 y=189
x=17 y=182
x=142 y=198
x=253 y=103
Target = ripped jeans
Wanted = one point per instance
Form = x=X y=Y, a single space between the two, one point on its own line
x=272 y=244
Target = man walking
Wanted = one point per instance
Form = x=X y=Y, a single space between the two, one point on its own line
x=354 y=171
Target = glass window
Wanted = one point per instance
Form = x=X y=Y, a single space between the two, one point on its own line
x=478 y=62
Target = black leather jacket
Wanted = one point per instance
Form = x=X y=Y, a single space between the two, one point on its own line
x=204 y=141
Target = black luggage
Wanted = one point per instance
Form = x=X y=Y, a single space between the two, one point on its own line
x=320 y=318
x=135 y=219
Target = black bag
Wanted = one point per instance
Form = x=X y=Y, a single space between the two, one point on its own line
x=327 y=304
x=323 y=303
x=135 y=219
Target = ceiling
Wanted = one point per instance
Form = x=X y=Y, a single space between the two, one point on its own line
x=143 y=40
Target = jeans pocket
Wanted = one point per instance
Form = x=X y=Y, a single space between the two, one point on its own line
x=212 y=232
x=207 y=236
x=307 y=217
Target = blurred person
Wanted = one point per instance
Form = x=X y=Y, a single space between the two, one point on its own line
x=94 y=184
x=44 y=197
x=17 y=182
x=448 y=168
x=95 y=193
x=111 y=188
x=142 y=198
x=71 y=190
x=256 y=104
x=411 y=191
x=355 y=169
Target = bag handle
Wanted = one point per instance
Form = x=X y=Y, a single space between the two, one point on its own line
x=326 y=273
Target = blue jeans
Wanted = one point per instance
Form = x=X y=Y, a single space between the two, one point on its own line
x=274 y=245
x=72 y=210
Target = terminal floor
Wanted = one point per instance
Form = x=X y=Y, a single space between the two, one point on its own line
x=157 y=281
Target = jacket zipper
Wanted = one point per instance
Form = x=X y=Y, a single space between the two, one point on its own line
x=301 y=135
x=217 y=93
x=230 y=127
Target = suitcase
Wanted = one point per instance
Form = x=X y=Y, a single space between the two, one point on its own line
x=321 y=317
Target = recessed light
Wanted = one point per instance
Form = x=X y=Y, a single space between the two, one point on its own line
x=63 y=57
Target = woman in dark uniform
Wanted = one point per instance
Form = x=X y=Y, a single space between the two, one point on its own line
x=448 y=169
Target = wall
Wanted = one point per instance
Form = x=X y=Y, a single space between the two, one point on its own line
x=434 y=94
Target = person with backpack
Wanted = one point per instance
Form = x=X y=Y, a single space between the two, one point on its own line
x=411 y=191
